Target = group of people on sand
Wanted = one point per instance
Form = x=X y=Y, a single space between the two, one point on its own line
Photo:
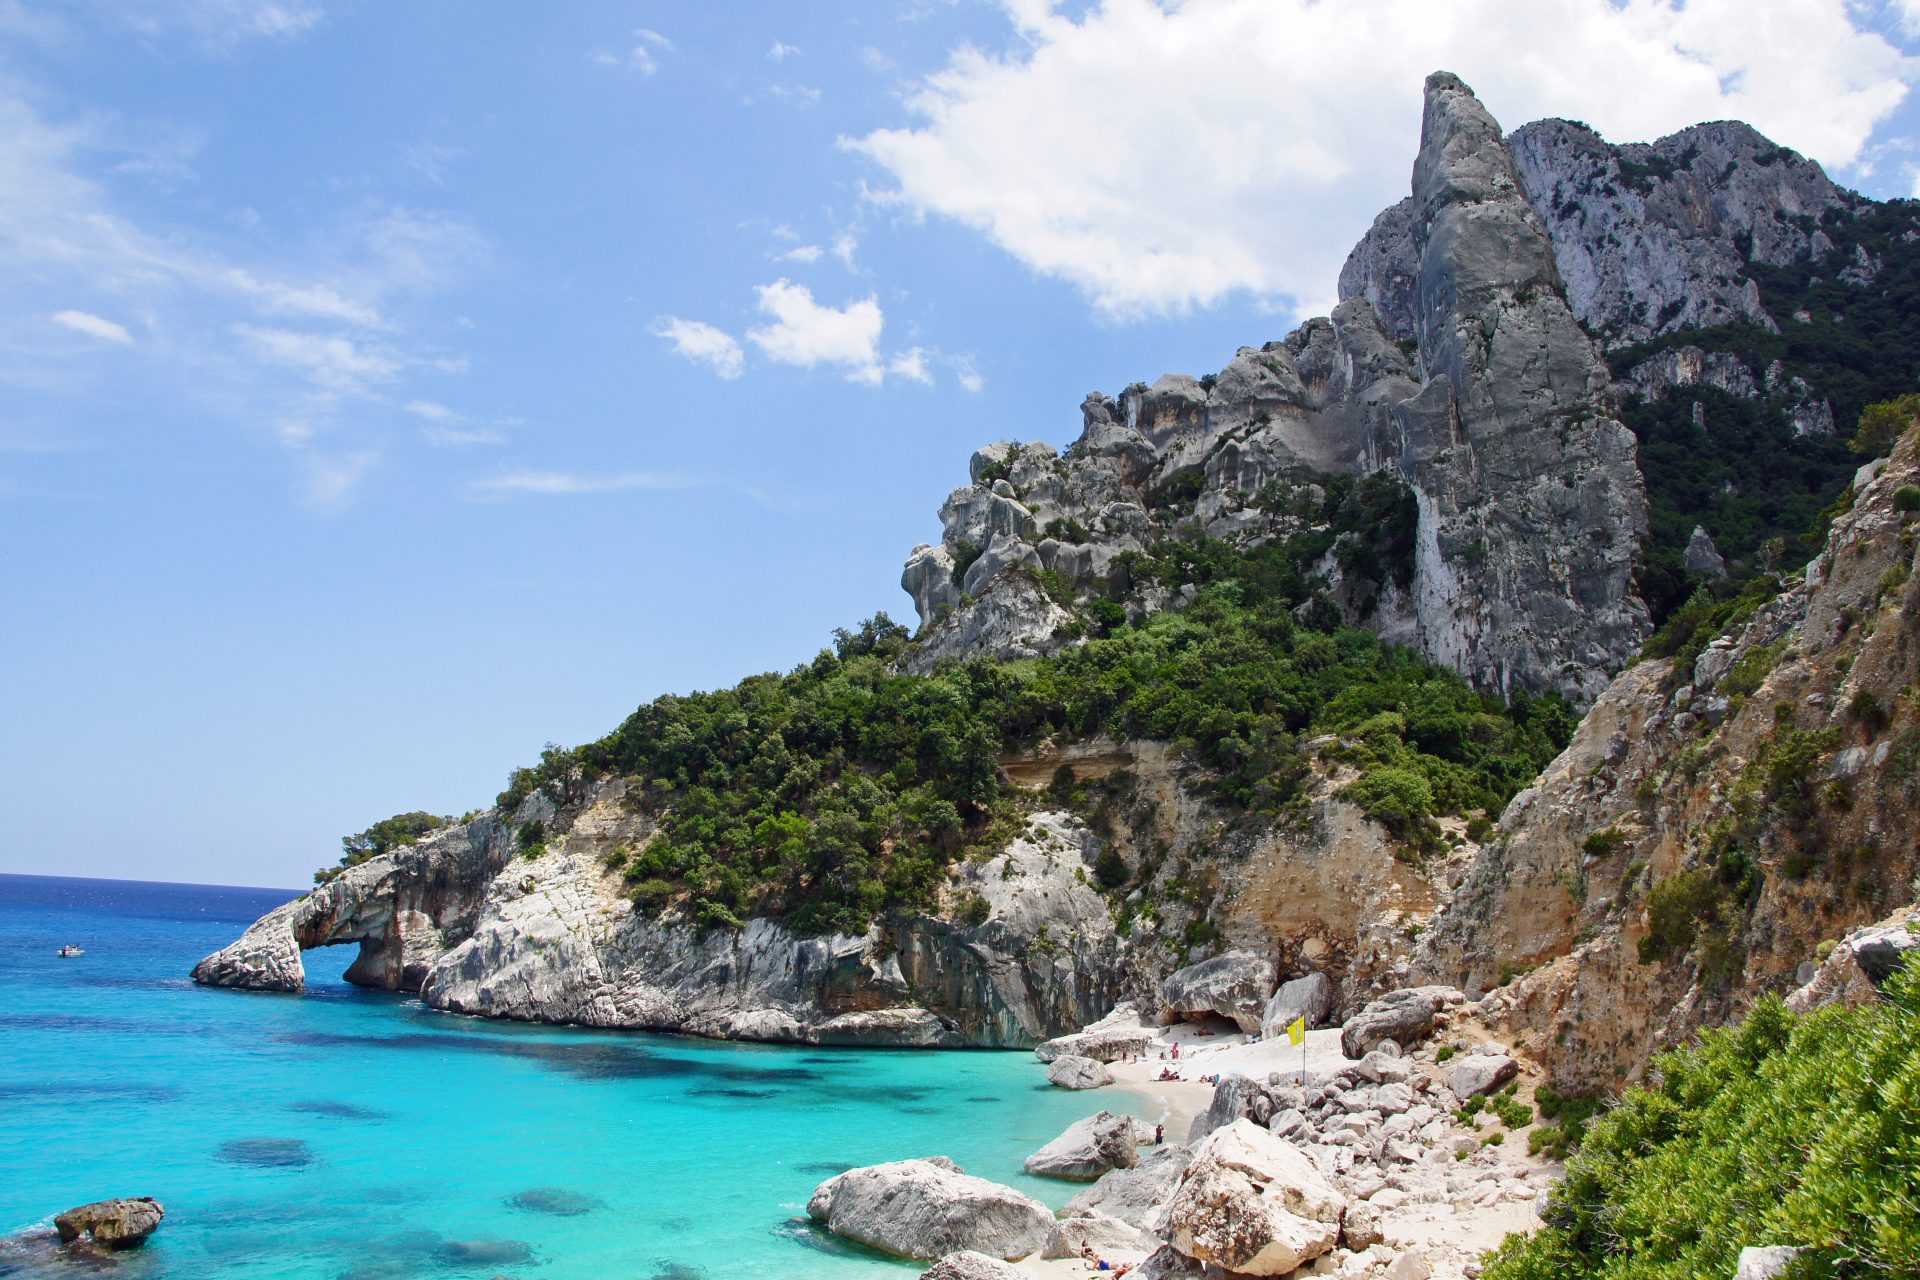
x=1097 y=1263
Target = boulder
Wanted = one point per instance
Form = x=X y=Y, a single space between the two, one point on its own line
x=968 y=1265
x=1764 y=1262
x=1072 y=1071
x=1861 y=963
x=1168 y=1263
x=1089 y=1148
x=1310 y=997
x=1235 y=1097
x=1135 y=1196
x=1480 y=1073
x=1253 y=1204
x=1409 y=1266
x=928 y=1209
x=112 y=1224
x=1406 y=1017
x=1119 y=1035
x=1107 y=1237
x=1360 y=1226
x=1234 y=985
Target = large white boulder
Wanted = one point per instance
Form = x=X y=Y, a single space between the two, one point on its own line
x=1075 y=1072
x=1109 y=1238
x=1136 y=1196
x=1310 y=997
x=1252 y=1203
x=929 y=1208
x=1480 y=1073
x=968 y=1265
x=1234 y=985
x=1090 y=1148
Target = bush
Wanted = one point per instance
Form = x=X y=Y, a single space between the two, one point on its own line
x=1906 y=498
x=1677 y=907
x=382 y=837
x=1401 y=800
x=1883 y=423
x=1784 y=1129
x=1603 y=843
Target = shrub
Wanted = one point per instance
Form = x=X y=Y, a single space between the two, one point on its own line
x=382 y=837
x=1401 y=800
x=1676 y=909
x=1906 y=498
x=1603 y=843
x=1883 y=423
x=972 y=909
x=1782 y=1129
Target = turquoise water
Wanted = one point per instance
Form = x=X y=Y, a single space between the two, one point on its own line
x=355 y=1135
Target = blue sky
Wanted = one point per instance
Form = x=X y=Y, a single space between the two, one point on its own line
x=388 y=389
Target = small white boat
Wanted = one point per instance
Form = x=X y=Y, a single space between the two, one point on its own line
x=68 y=952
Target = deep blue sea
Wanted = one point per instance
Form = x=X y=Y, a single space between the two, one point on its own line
x=354 y=1135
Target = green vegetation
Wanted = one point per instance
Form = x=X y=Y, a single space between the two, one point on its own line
x=1746 y=477
x=843 y=789
x=1564 y=1122
x=383 y=836
x=1783 y=1130
x=1709 y=613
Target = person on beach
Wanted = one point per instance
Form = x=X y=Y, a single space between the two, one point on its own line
x=1159 y=1134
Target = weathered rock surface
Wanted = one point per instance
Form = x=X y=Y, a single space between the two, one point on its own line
x=1235 y=985
x=1136 y=1195
x=1252 y=1204
x=1861 y=962
x=405 y=909
x=1109 y=1238
x=1310 y=998
x=968 y=1265
x=1478 y=1073
x=1406 y=1017
x=928 y=1209
x=112 y=1224
x=1765 y=1262
x=1090 y=1147
x=1075 y=1072
x=1118 y=1036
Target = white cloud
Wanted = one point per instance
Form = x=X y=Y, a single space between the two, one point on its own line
x=93 y=326
x=335 y=362
x=806 y=333
x=564 y=483
x=966 y=375
x=461 y=437
x=431 y=411
x=702 y=343
x=640 y=55
x=781 y=52
x=1161 y=154
x=328 y=480
x=808 y=253
x=844 y=246
x=911 y=363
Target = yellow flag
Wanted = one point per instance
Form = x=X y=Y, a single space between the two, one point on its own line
x=1296 y=1030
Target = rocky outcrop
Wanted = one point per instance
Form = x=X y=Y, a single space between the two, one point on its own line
x=112 y=1224
x=1657 y=237
x=1711 y=823
x=1234 y=985
x=1109 y=1238
x=1861 y=962
x=928 y=1209
x=968 y=1265
x=405 y=909
x=1252 y=1204
x=1529 y=503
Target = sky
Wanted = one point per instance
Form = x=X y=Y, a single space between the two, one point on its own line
x=389 y=389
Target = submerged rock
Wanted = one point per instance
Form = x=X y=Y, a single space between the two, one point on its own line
x=112 y=1224
x=929 y=1208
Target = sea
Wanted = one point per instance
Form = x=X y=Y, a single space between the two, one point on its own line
x=347 y=1134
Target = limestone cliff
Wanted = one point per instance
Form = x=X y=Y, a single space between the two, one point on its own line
x=1530 y=506
x=1711 y=823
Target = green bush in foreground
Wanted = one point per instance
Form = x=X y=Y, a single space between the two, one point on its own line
x=1783 y=1130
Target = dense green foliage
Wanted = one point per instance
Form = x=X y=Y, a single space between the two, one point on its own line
x=1745 y=476
x=843 y=788
x=383 y=836
x=1783 y=1130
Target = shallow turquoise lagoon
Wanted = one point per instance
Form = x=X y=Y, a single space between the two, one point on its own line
x=359 y=1136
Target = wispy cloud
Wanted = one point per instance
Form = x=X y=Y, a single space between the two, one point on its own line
x=93 y=326
x=641 y=56
x=780 y=51
x=807 y=253
x=704 y=344
x=568 y=483
x=334 y=361
x=806 y=333
x=449 y=429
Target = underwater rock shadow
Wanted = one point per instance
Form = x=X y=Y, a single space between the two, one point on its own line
x=556 y=1202
x=587 y=1060
x=267 y=1153
x=336 y=1110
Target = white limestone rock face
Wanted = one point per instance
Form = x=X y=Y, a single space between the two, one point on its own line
x=1251 y=1203
x=1109 y=1238
x=928 y=1209
x=404 y=908
x=1861 y=962
x=1406 y=1017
